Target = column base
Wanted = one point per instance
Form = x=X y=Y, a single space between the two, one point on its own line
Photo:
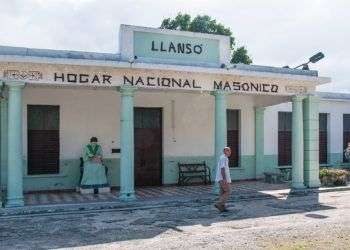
x=313 y=184
x=298 y=186
x=127 y=196
x=19 y=202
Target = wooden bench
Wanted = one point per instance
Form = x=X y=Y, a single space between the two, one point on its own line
x=189 y=171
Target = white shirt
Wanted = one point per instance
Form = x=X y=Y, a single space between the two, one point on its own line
x=223 y=163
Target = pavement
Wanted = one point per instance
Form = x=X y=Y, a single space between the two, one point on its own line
x=38 y=203
x=305 y=220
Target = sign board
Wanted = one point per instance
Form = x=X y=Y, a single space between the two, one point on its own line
x=61 y=75
x=174 y=47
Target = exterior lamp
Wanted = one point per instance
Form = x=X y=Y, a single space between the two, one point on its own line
x=132 y=60
x=315 y=58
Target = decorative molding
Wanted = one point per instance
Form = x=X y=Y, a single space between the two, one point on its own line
x=296 y=89
x=23 y=75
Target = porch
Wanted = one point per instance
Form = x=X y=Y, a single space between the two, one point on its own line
x=174 y=135
x=239 y=189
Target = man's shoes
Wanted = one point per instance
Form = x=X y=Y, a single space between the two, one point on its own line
x=225 y=210
x=221 y=208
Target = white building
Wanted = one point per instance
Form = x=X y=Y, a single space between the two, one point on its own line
x=166 y=97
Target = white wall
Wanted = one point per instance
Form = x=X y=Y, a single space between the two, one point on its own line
x=271 y=127
x=335 y=110
x=83 y=113
x=86 y=112
x=245 y=104
x=193 y=120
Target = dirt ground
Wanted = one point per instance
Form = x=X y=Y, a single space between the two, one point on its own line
x=314 y=221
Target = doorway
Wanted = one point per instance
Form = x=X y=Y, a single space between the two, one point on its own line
x=148 y=143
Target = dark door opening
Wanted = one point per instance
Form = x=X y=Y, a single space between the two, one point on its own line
x=346 y=133
x=323 y=139
x=148 y=146
x=43 y=139
x=284 y=138
x=233 y=136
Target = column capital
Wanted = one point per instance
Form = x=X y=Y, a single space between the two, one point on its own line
x=298 y=98
x=14 y=85
x=127 y=90
x=219 y=92
x=259 y=109
x=312 y=98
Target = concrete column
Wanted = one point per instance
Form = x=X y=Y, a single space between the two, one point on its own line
x=259 y=142
x=297 y=143
x=220 y=128
x=14 y=146
x=127 y=190
x=311 y=141
x=3 y=144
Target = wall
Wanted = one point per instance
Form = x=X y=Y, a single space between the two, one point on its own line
x=334 y=109
x=188 y=133
x=245 y=104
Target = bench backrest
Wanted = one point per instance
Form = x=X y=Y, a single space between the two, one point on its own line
x=192 y=167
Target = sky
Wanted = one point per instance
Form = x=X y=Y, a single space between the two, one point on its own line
x=275 y=32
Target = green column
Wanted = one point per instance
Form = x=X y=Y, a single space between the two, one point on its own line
x=14 y=142
x=297 y=143
x=127 y=191
x=259 y=142
x=311 y=141
x=3 y=143
x=220 y=128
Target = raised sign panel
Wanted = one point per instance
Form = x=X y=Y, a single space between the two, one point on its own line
x=174 y=47
x=153 y=45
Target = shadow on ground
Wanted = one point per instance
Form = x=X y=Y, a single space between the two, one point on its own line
x=93 y=228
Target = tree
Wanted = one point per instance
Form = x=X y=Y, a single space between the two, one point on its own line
x=206 y=24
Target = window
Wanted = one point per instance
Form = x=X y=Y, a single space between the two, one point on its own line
x=43 y=139
x=323 y=138
x=346 y=133
x=284 y=138
x=233 y=136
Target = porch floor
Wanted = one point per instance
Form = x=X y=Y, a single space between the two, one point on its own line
x=239 y=189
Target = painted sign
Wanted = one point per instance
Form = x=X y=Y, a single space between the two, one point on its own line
x=150 y=79
x=82 y=78
x=176 y=47
x=246 y=86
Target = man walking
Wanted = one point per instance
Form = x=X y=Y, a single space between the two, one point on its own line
x=224 y=179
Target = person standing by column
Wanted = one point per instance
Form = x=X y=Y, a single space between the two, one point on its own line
x=224 y=179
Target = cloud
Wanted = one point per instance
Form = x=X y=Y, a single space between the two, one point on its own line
x=275 y=32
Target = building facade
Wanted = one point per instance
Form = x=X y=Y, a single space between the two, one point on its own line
x=166 y=97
